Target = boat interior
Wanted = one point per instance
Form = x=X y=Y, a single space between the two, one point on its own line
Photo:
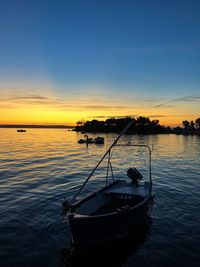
x=119 y=203
x=116 y=197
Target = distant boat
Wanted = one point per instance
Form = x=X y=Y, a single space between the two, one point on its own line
x=114 y=210
x=21 y=131
x=99 y=140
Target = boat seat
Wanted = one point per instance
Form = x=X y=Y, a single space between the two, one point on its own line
x=132 y=191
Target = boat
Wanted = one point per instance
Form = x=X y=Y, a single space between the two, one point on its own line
x=21 y=131
x=99 y=140
x=114 y=210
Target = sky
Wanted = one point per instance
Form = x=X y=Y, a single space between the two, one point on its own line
x=66 y=61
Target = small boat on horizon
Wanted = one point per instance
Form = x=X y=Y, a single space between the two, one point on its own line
x=114 y=210
x=21 y=131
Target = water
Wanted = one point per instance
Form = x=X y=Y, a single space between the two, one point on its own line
x=42 y=166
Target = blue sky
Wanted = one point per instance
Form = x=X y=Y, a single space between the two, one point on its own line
x=127 y=53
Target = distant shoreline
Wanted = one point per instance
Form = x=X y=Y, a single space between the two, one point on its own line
x=36 y=126
x=141 y=125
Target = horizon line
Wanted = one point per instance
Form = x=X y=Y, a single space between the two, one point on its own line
x=5 y=125
x=35 y=126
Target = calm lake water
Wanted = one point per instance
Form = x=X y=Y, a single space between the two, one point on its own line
x=42 y=166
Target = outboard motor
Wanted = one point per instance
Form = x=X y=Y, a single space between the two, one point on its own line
x=134 y=175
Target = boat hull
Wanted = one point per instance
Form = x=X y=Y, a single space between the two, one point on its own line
x=90 y=230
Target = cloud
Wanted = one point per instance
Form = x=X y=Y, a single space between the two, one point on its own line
x=172 y=102
x=57 y=103
x=13 y=101
x=5 y=106
x=18 y=98
x=130 y=115
x=113 y=116
x=104 y=107
x=163 y=105
x=157 y=116
x=187 y=98
x=31 y=97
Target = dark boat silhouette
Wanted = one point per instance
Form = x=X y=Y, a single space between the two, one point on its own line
x=113 y=211
x=21 y=131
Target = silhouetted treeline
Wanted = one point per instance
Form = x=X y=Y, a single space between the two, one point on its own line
x=141 y=125
x=189 y=127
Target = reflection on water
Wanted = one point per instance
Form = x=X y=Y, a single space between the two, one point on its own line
x=42 y=166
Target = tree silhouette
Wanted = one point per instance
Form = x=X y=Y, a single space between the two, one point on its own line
x=197 y=123
x=79 y=123
x=186 y=124
x=192 y=124
x=143 y=121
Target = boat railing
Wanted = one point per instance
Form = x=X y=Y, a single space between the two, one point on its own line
x=149 y=152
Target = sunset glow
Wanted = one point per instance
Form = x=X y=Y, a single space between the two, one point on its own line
x=73 y=62
x=49 y=108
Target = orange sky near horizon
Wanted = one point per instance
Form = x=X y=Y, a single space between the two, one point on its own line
x=53 y=117
x=20 y=107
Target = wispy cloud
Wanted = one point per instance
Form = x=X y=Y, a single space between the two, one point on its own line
x=187 y=98
x=105 y=107
x=172 y=102
x=129 y=115
x=63 y=104
x=19 y=98
x=89 y=102
x=5 y=106
x=31 y=97
x=166 y=104
x=13 y=101
x=114 y=116
x=157 y=116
